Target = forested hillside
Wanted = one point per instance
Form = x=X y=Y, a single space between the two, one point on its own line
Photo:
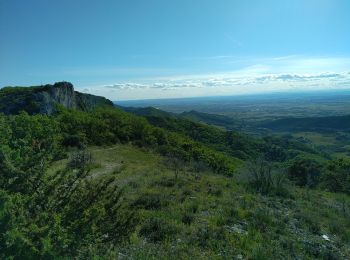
x=233 y=143
x=105 y=183
x=204 y=118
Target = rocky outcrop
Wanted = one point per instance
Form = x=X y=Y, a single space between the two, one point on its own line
x=44 y=99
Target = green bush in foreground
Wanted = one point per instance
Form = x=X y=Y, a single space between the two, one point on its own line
x=66 y=212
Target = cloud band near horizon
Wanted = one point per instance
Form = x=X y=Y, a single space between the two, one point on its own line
x=229 y=84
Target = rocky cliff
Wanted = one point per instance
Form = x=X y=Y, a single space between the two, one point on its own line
x=44 y=99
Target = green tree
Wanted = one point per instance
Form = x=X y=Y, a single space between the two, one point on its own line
x=336 y=176
x=305 y=171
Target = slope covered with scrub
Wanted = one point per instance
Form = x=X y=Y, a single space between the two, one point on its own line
x=108 y=184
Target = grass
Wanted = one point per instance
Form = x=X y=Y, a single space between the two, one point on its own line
x=201 y=215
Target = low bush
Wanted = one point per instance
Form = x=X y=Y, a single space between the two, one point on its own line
x=261 y=219
x=266 y=180
x=336 y=177
x=208 y=236
x=305 y=171
x=149 y=201
x=187 y=218
x=156 y=229
x=309 y=221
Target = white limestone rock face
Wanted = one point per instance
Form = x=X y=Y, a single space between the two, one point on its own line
x=44 y=99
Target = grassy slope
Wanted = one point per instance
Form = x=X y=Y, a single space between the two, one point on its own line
x=204 y=215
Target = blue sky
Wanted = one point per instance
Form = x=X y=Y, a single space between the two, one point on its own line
x=133 y=49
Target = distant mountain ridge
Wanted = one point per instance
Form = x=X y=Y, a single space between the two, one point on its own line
x=200 y=117
x=44 y=99
x=148 y=111
x=212 y=119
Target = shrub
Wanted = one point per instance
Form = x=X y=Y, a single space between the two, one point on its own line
x=274 y=153
x=208 y=236
x=214 y=190
x=73 y=141
x=148 y=201
x=165 y=182
x=309 y=221
x=156 y=229
x=192 y=207
x=68 y=212
x=305 y=172
x=261 y=219
x=265 y=180
x=80 y=159
x=336 y=177
x=199 y=166
x=187 y=218
x=261 y=252
x=174 y=163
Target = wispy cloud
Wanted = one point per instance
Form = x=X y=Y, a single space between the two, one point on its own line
x=273 y=74
x=124 y=86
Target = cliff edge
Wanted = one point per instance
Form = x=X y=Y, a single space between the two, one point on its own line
x=44 y=99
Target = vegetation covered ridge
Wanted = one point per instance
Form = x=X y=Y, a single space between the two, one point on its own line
x=44 y=99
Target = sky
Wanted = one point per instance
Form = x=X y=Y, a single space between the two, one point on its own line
x=140 y=49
